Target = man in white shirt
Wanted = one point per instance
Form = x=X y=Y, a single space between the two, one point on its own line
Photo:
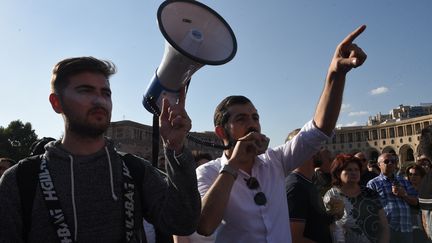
x=244 y=190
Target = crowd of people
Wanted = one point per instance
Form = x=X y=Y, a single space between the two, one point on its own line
x=81 y=189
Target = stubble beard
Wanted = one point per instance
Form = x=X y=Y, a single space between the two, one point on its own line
x=86 y=128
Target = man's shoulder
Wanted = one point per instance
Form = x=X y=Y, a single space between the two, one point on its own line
x=211 y=166
x=295 y=181
x=378 y=179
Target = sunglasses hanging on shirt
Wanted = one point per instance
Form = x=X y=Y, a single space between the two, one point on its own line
x=253 y=184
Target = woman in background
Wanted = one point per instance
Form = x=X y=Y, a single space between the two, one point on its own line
x=415 y=174
x=364 y=219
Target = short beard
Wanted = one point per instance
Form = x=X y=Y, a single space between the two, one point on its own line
x=231 y=141
x=86 y=130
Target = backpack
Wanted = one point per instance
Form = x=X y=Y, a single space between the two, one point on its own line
x=27 y=180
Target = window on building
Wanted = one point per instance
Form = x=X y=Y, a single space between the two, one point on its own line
x=119 y=132
x=391 y=132
x=358 y=136
x=366 y=136
x=374 y=134
x=409 y=130
x=350 y=137
x=383 y=134
x=342 y=138
x=400 y=131
x=425 y=124
x=417 y=128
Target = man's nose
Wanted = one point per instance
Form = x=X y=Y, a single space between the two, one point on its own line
x=100 y=100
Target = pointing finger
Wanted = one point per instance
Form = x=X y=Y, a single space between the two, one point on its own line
x=351 y=37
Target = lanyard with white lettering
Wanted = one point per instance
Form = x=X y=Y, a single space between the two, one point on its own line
x=56 y=212
x=53 y=204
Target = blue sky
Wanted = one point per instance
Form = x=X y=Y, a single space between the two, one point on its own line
x=284 y=49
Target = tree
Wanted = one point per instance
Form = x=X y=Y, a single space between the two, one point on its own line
x=16 y=139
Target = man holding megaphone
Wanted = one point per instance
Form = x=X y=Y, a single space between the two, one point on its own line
x=243 y=192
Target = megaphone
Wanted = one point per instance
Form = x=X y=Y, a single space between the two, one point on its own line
x=195 y=36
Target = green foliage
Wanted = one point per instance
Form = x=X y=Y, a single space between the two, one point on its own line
x=16 y=139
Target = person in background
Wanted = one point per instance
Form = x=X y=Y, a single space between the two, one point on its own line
x=424 y=162
x=5 y=163
x=363 y=220
x=425 y=189
x=396 y=195
x=38 y=147
x=366 y=175
x=415 y=174
x=201 y=157
x=322 y=177
x=309 y=220
x=373 y=167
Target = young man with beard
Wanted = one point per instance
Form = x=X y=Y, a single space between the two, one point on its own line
x=85 y=190
x=243 y=192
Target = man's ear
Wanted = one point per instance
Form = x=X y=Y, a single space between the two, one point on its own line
x=55 y=103
x=220 y=132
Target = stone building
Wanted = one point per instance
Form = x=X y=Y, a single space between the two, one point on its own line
x=399 y=136
x=136 y=138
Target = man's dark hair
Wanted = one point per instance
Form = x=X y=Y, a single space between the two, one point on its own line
x=76 y=65
x=221 y=115
x=425 y=146
x=198 y=155
x=38 y=146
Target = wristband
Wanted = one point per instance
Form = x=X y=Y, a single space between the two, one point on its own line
x=230 y=170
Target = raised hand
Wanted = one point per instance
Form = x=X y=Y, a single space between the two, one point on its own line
x=348 y=55
x=247 y=148
x=174 y=123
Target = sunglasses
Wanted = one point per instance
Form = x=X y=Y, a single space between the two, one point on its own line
x=253 y=184
x=413 y=174
x=388 y=161
x=424 y=162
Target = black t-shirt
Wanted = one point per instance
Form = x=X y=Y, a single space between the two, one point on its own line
x=366 y=177
x=306 y=205
x=425 y=192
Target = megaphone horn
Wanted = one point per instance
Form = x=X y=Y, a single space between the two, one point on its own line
x=195 y=36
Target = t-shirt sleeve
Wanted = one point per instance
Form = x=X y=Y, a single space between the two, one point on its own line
x=297 y=201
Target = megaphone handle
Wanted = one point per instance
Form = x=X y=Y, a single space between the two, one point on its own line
x=156 y=113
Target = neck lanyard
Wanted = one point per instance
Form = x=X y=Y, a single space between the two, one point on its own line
x=56 y=213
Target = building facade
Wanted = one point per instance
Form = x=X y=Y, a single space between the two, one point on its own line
x=136 y=138
x=396 y=136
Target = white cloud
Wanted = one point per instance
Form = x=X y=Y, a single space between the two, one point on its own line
x=379 y=90
x=355 y=123
x=358 y=113
x=345 y=107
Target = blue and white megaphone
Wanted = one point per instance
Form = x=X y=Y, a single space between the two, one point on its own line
x=195 y=36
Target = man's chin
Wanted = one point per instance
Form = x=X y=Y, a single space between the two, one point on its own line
x=92 y=131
